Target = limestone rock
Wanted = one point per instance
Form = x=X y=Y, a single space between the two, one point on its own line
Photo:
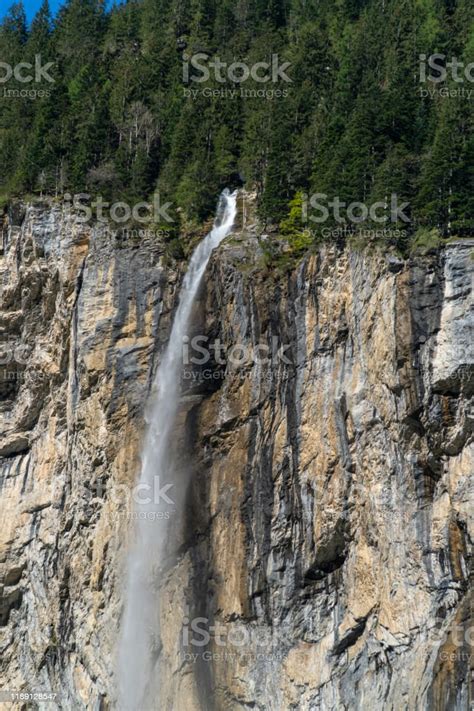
x=328 y=523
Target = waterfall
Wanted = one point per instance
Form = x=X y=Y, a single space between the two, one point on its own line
x=140 y=626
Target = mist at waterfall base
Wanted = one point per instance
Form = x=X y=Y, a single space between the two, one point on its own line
x=139 y=633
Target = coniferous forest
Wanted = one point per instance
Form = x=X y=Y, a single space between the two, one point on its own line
x=345 y=109
x=236 y=355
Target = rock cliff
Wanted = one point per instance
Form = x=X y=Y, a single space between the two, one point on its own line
x=324 y=542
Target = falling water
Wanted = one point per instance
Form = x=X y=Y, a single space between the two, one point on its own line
x=139 y=623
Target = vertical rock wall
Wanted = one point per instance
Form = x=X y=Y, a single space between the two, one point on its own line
x=324 y=553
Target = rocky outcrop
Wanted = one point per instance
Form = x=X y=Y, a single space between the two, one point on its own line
x=327 y=431
x=81 y=318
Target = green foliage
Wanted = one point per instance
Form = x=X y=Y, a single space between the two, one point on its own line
x=351 y=122
x=293 y=228
x=424 y=240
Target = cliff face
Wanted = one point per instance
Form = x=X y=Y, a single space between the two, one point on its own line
x=81 y=315
x=324 y=546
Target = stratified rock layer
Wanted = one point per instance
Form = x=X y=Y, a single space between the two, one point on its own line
x=80 y=316
x=324 y=547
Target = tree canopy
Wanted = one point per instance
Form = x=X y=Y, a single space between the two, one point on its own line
x=124 y=117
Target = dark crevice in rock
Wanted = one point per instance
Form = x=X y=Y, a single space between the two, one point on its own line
x=322 y=570
x=330 y=556
x=10 y=599
x=350 y=637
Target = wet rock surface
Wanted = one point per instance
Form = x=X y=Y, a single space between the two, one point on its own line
x=81 y=315
x=325 y=544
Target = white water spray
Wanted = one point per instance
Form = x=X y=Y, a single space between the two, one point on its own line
x=136 y=654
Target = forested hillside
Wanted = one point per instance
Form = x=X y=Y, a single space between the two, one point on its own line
x=343 y=109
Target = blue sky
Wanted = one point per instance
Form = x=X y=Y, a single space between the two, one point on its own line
x=31 y=6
